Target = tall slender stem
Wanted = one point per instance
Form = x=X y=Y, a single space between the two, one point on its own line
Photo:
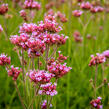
x=36 y=92
x=23 y=65
x=33 y=66
x=95 y=81
x=47 y=51
x=21 y=100
x=38 y=63
x=5 y=28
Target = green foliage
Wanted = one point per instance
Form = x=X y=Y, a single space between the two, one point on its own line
x=74 y=90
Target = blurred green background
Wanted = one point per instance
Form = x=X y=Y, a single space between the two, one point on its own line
x=74 y=89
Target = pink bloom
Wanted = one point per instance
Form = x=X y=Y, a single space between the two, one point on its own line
x=94 y=9
x=100 y=9
x=77 y=36
x=61 y=58
x=106 y=53
x=44 y=105
x=77 y=13
x=58 y=70
x=22 y=13
x=20 y=41
x=28 y=28
x=30 y=4
x=40 y=76
x=98 y=59
x=85 y=5
x=3 y=9
x=4 y=60
x=1 y=29
x=96 y=103
x=14 y=72
x=36 y=46
x=51 y=25
x=48 y=89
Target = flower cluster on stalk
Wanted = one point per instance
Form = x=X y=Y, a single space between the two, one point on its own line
x=98 y=59
x=96 y=103
x=44 y=104
x=4 y=60
x=40 y=76
x=3 y=9
x=48 y=89
x=31 y=4
x=14 y=72
x=1 y=29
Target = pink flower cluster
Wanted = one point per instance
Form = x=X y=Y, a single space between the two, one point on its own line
x=96 y=9
x=85 y=5
x=49 y=5
x=48 y=89
x=3 y=9
x=51 y=39
x=1 y=29
x=77 y=36
x=89 y=6
x=40 y=76
x=23 y=14
x=96 y=103
x=98 y=59
x=51 y=25
x=61 y=58
x=44 y=105
x=4 y=60
x=77 y=13
x=62 y=17
x=106 y=53
x=58 y=69
x=28 y=28
x=36 y=46
x=20 y=41
x=34 y=37
x=14 y=72
x=30 y=4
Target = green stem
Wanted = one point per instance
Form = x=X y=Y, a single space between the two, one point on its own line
x=21 y=100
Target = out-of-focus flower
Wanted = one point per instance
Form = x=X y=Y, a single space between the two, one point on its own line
x=1 y=29
x=23 y=14
x=30 y=4
x=80 y=0
x=14 y=72
x=8 y=16
x=85 y=5
x=49 y=5
x=100 y=9
x=62 y=17
x=3 y=9
x=98 y=59
x=93 y=10
x=77 y=36
x=48 y=89
x=77 y=13
x=40 y=76
x=96 y=103
x=4 y=60
x=106 y=53
x=44 y=104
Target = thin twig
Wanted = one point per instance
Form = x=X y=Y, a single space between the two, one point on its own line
x=32 y=101
x=19 y=95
